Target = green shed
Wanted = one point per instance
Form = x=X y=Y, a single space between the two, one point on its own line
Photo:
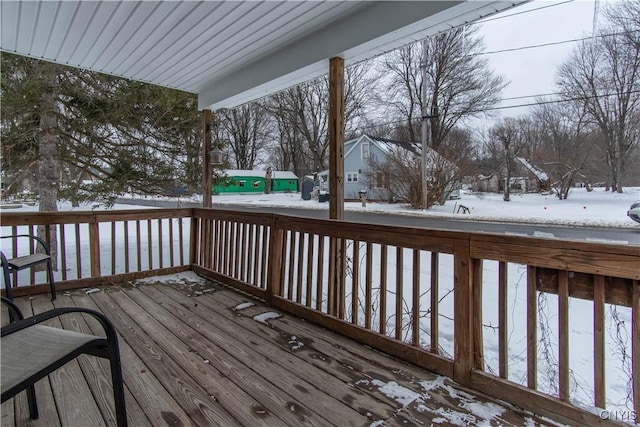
x=284 y=182
x=253 y=181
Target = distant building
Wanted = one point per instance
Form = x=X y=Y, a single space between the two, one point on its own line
x=357 y=173
x=253 y=181
x=535 y=180
x=527 y=178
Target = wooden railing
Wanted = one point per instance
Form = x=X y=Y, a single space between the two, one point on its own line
x=502 y=314
x=122 y=245
x=560 y=313
x=474 y=307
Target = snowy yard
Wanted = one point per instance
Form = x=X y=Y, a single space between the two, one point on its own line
x=596 y=208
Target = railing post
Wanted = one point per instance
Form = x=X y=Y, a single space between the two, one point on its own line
x=276 y=249
x=635 y=346
x=478 y=341
x=532 y=325
x=337 y=272
x=193 y=240
x=94 y=247
x=463 y=312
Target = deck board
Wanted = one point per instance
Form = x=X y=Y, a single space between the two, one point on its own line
x=200 y=359
x=288 y=371
x=98 y=374
x=190 y=358
x=241 y=368
x=194 y=399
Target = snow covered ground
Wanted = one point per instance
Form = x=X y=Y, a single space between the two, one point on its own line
x=595 y=208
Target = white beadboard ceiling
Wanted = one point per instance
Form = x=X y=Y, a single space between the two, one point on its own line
x=227 y=52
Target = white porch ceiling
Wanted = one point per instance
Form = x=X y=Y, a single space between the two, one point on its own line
x=227 y=52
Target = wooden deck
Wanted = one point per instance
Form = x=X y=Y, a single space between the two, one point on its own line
x=197 y=353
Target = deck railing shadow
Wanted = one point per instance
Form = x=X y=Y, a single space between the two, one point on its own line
x=505 y=315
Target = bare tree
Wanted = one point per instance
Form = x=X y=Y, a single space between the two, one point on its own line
x=460 y=83
x=626 y=15
x=504 y=145
x=403 y=89
x=566 y=144
x=603 y=76
x=301 y=115
x=450 y=163
x=246 y=130
x=400 y=171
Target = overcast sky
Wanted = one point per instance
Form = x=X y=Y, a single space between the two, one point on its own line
x=533 y=71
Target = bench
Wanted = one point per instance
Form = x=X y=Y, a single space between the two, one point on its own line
x=11 y=265
x=31 y=351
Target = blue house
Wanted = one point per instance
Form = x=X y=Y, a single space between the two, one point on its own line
x=358 y=175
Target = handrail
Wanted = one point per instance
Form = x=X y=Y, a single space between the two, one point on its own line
x=95 y=244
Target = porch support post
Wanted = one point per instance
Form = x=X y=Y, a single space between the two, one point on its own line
x=336 y=185
x=206 y=158
x=463 y=326
x=336 y=138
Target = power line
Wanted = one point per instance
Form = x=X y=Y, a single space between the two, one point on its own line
x=540 y=95
x=480 y=22
x=554 y=101
x=513 y=49
x=524 y=12
x=531 y=104
x=534 y=46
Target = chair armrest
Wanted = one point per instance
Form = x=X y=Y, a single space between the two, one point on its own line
x=44 y=244
x=19 y=325
x=14 y=311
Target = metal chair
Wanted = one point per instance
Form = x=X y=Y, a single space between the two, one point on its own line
x=31 y=351
x=27 y=261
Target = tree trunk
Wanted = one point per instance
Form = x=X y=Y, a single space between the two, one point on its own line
x=507 y=188
x=619 y=170
x=48 y=156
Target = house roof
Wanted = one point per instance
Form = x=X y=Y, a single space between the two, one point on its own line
x=227 y=52
x=283 y=175
x=385 y=145
x=539 y=173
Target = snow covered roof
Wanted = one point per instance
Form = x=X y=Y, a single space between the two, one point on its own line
x=283 y=175
x=542 y=175
x=387 y=145
x=259 y=174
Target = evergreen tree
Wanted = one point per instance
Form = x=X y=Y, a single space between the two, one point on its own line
x=111 y=135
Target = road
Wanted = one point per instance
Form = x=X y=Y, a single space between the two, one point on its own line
x=630 y=236
x=608 y=235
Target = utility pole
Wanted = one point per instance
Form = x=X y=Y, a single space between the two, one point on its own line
x=423 y=167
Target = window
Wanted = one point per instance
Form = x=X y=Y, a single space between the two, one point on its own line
x=256 y=184
x=365 y=150
x=352 y=176
x=241 y=183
